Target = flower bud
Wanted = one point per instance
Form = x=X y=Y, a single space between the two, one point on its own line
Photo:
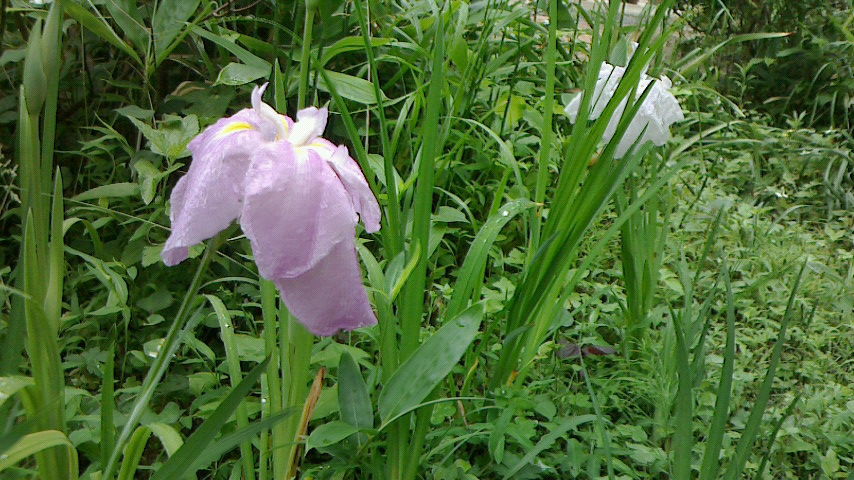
x=35 y=82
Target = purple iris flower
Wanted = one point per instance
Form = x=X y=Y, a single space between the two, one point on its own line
x=298 y=198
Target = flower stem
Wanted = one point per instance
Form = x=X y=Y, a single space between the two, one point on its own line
x=306 y=57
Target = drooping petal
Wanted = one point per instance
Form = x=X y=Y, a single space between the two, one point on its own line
x=330 y=296
x=295 y=210
x=351 y=176
x=207 y=198
x=310 y=124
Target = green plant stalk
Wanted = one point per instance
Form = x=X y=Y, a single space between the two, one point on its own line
x=683 y=439
x=641 y=245
x=297 y=358
x=43 y=350
x=412 y=295
x=235 y=376
x=41 y=267
x=305 y=59
x=393 y=204
x=164 y=357
x=546 y=134
x=272 y=398
x=711 y=455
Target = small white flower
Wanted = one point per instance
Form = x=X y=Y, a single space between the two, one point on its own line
x=652 y=122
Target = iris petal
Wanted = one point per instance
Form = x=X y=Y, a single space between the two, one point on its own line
x=207 y=199
x=330 y=296
x=353 y=179
x=310 y=124
x=295 y=210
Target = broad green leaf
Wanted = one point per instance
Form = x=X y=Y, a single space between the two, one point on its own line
x=354 y=402
x=241 y=73
x=429 y=364
x=249 y=348
x=115 y=190
x=448 y=214
x=350 y=87
x=329 y=434
x=171 y=136
x=170 y=17
x=148 y=178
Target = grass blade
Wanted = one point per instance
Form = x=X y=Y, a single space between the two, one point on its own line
x=745 y=444
x=429 y=365
x=711 y=461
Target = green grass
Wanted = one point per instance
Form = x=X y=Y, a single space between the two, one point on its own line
x=719 y=268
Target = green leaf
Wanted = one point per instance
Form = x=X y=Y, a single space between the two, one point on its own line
x=429 y=365
x=169 y=19
x=241 y=53
x=354 y=402
x=126 y=15
x=12 y=385
x=470 y=275
x=172 y=135
x=99 y=27
x=711 y=456
x=133 y=453
x=37 y=442
x=216 y=450
x=115 y=190
x=241 y=74
x=350 y=87
x=697 y=57
x=168 y=436
x=744 y=448
x=448 y=214
x=350 y=44
x=148 y=178
x=329 y=434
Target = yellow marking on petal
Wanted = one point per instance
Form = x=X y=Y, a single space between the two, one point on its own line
x=234 y=128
